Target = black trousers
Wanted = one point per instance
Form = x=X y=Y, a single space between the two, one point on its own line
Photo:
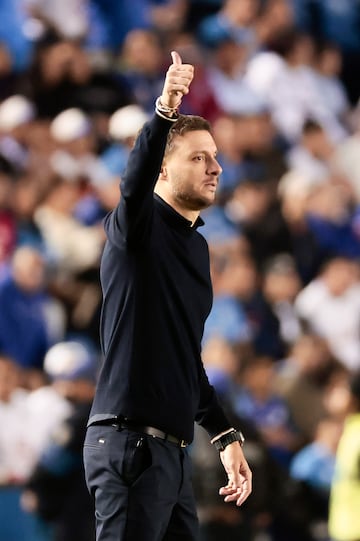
x=141 y=486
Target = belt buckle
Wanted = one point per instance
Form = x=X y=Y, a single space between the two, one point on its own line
x=183 y=443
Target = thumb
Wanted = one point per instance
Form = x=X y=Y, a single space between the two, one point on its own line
x=176 y=58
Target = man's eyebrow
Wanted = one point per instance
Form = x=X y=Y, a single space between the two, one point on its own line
x=194 y=152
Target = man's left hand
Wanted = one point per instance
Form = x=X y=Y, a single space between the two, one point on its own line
x=239 y=474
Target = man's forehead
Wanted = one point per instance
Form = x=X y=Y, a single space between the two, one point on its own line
x=196 y=140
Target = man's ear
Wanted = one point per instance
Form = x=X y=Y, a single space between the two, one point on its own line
x=163 y=172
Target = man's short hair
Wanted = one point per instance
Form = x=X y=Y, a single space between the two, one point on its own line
x=183 y=125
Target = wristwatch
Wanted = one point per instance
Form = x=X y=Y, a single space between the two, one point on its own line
x=230 y=437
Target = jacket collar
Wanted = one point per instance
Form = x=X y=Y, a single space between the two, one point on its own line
x=174 y=218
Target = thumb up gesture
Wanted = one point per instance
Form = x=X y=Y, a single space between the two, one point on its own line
x=177 y=81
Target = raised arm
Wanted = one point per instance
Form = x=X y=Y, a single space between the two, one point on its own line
x=131 y=218
x=145 y=160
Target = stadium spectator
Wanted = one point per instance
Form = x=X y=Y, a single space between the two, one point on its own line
x=55 y=490
x=30 y=318
x=301 y=379
x=330 y=306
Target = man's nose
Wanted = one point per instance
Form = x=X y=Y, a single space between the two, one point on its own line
x=215 y=168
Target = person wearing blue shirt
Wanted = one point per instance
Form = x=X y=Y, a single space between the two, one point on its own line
x=24 y=332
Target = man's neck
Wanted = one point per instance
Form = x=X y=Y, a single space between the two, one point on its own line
x=191 y=215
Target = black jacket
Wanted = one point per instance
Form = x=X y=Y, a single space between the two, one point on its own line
x=157 y=295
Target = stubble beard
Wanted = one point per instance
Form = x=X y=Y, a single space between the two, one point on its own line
x=190 y=200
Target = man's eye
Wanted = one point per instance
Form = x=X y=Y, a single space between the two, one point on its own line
x=198 y=158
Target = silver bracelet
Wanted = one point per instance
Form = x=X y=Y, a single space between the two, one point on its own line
x=165 y=109
x=165 y=117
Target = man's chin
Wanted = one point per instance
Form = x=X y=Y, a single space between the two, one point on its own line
x=198 y=203
x=206 y=200
x=209 y=200
x=204 y=203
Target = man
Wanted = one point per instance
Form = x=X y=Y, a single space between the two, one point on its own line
x=157 y=295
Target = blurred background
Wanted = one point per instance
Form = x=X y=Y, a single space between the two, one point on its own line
x=279 y=81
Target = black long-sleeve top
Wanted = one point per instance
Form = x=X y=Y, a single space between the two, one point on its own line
x=156 y=296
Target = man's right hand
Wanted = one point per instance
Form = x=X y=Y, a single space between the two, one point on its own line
x=177 y=82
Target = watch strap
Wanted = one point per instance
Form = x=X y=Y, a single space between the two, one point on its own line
x=230 y=437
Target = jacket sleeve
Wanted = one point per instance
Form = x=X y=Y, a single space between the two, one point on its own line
x=129 y=222
x=210 y=414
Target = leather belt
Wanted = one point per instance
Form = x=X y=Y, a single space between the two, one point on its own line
x=152 y=431
x=149 y=430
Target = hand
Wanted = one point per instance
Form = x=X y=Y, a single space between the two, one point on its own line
x=238 y=472
x=177 y=81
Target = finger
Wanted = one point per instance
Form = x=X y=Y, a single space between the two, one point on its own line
x=176 y=58
x=180 y=78
x=234 y=480
x=238 y=496
x=181 y=85
x=179 y=89
x=224 y=491
x=234 y=497
x=242 y=498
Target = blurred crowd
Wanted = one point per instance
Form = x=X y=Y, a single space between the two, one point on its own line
x=278 y=79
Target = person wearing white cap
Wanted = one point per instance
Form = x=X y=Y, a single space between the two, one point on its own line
x=16 y=114
x=72 y=245
x=124 y=125
x=70 y=125
x=73 y=132
x=15 y=111
x=55 y=491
